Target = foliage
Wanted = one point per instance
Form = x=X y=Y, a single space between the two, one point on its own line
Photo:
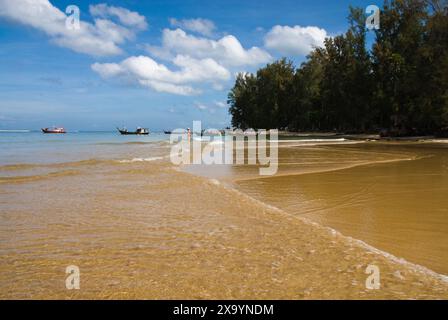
x=399 y=86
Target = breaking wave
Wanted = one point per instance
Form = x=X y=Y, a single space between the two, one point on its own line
x=141 y=160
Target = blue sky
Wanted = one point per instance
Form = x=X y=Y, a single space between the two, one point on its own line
x=159 y=64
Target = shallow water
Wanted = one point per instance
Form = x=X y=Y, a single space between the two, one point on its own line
x=400 y=206
x=138 y=227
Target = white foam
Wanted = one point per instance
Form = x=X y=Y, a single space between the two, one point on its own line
x=311 y=140
x=141 y=160
x=215 y=182
x=439 y=141
x=217 y=142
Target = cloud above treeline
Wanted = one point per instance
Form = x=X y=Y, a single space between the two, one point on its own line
x=183 y=63
x=294 y=41
x=103 y=37
x=227 y=51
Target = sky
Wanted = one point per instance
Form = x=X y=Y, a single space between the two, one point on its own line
x=160 y=64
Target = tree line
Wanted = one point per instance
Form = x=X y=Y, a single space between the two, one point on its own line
x=398 y=86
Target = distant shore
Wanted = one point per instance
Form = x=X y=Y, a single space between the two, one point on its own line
x=360 y=136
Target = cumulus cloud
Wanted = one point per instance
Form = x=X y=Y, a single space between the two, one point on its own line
x=295 y=40
x=125 y=16
x=102 y=38
x=147 y=72
x=227 y=51
x=169 y=88
x=199 y=25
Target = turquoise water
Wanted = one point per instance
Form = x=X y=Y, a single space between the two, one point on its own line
x=36 y=147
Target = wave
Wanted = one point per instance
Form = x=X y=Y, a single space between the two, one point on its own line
x=74 y=164
x=282 y=141
x=65 y=168
x=141 y=160
x=28 y=166
x=22 y=179
x=19 y=166
x=131 y=143
x=80 y=163
x=311 y=140
x=120 y=143
x=345 y=167
x=315 y=144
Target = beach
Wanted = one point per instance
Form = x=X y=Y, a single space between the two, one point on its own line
x=139 y=227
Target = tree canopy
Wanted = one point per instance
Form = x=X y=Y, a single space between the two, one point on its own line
x=398 y=86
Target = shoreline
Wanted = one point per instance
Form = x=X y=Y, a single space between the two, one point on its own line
x=362 y=136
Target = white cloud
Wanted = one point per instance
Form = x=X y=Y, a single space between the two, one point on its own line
x=99 y=39
x=116 y=33
x=169 y=88
x=200 y=106
x=199 y=25
x=220 y=104
x=125 y=16
x=108 y=70
x=227 y=51
x=212 y=107
x=295 y=40
x=149 y=73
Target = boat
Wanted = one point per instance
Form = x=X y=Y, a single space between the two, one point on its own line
x=138 y=131
x=167 y=132
x=53 y=130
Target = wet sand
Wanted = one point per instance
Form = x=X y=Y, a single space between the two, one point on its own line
x=398 y=205
x=145 y=230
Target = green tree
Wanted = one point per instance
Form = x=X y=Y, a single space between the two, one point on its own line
x=400 y=85
x=242 y=103
x=274 y=94
x=306 y=101
x=397 y=64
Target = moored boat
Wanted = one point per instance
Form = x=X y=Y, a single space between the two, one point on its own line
x=54 y=130
x=139 y=131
